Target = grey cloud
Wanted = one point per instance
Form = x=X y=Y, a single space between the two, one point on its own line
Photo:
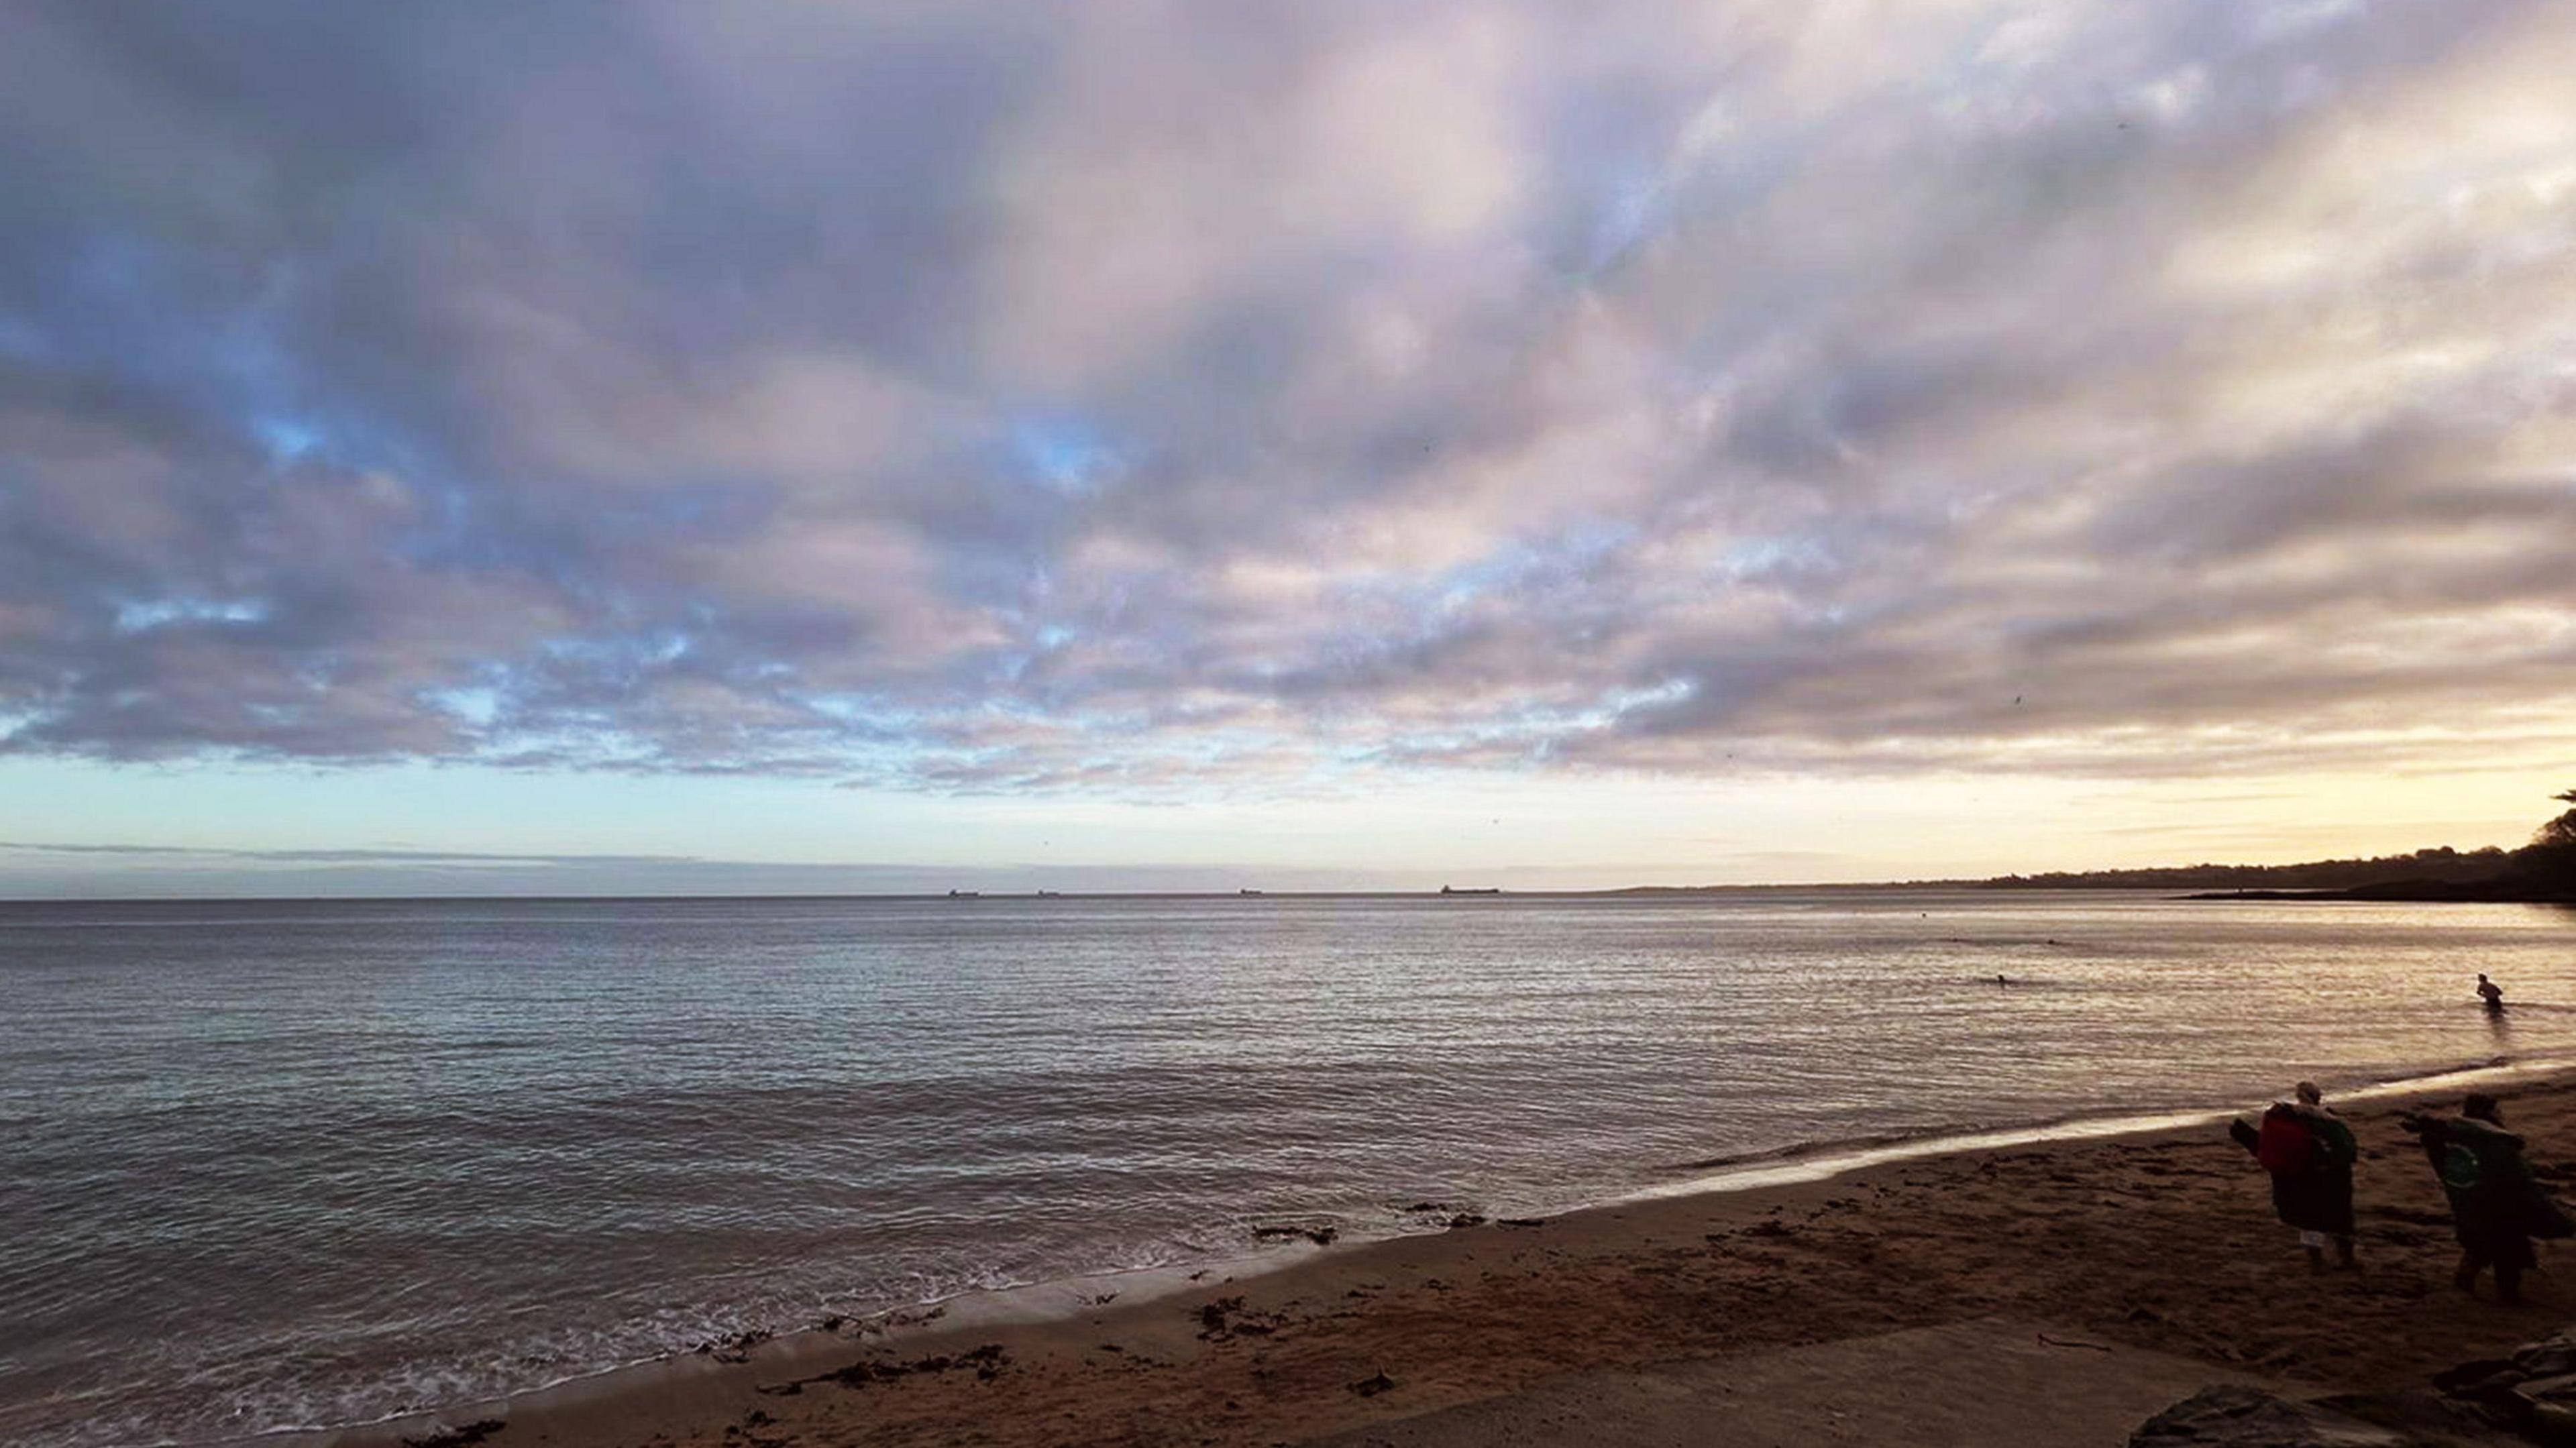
x=56 y=871
x=329 y=857
x=1001 y=397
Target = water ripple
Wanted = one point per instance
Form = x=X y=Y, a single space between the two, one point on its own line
x=315 y=1163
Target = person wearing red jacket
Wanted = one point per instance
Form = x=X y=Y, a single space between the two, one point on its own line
x=2309 y=1153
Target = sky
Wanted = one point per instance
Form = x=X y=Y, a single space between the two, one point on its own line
x=1125 y=444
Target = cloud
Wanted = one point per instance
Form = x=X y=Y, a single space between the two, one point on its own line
x=1132 y=396
x=35 y=870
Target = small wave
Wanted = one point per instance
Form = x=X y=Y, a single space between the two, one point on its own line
x=1800 y=1150
x=2045 y=944
x=421 y=1393
x=1816 y=1160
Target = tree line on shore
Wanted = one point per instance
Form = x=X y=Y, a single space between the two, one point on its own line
x=2544 y=869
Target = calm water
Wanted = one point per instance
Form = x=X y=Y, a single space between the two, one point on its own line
x=276 y=1164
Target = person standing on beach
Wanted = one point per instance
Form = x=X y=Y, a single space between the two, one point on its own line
x=2491 y=993
x=2309 y=1153
x=2496 y=1206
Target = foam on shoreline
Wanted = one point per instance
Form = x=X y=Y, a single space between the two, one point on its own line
x=1817 y=1161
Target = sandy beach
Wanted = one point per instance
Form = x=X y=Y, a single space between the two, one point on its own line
x=2117 y=1273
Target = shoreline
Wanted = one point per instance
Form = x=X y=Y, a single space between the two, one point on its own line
x=684 y=1397
x=2403 y=894
x=1817 y=1160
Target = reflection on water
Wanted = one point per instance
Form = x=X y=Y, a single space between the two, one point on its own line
x=325 y=1161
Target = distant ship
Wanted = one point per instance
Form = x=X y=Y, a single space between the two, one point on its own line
x=1049 y=894
x=1247 y=892
x=965 y=894
x=1473 y=890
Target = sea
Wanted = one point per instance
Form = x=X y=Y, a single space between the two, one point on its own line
x=278 y=1165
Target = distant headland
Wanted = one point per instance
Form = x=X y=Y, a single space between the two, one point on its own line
x=2542 y=872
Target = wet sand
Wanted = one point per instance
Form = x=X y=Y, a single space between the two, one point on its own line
x=2146 y=1259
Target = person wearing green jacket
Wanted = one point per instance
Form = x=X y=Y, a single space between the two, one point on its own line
x=2496 y=1205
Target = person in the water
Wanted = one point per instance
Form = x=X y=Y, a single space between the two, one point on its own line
x=2491 y=993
